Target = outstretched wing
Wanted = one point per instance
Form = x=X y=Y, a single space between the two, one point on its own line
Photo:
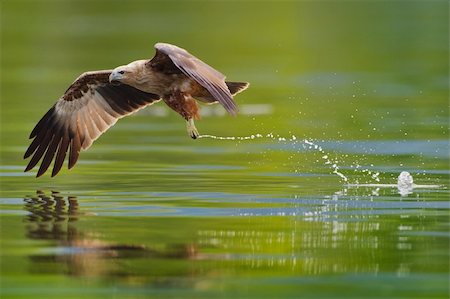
x=88 y=108
x=169 y=58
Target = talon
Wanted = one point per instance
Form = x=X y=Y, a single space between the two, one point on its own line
x=191 y=129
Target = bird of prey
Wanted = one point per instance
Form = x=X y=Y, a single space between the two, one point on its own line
x=97 y=99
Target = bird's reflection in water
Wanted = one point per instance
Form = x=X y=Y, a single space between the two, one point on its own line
x=50 y=217
x=54 y=218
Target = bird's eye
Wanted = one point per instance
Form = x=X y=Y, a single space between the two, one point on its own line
x=121 y=72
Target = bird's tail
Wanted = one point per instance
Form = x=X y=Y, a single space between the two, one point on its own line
x=237 y=87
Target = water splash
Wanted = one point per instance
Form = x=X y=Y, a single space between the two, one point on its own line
x=405 y=180
x=232 y=137
x=306 y=143
x=405 y=185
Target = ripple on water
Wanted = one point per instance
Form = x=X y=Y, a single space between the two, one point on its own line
x=209 y=204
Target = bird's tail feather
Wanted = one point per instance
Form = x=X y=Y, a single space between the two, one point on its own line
x=237 y=87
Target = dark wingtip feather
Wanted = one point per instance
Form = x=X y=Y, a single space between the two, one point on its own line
x=49 y=154
x=32 y=148
x=75 y=147
x=27 y=153
x=28 y=168
x=42 y=122
x=40 y=151
x=38 y=139
x=61 y=155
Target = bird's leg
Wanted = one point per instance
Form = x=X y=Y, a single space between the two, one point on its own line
x=186 y=106
x=191 y=129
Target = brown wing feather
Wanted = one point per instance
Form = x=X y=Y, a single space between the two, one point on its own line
x=88 y=108
x=191 y=66
x=163 y=64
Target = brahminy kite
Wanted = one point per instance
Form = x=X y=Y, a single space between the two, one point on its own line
x=97 y=99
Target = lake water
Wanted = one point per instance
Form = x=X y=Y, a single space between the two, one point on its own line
x=343 y=98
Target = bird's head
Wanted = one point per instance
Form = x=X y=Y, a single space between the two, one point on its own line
x=121 y=74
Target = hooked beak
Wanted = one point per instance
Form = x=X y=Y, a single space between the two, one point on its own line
x=115 y=77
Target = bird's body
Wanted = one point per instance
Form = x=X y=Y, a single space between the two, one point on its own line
x=96 y=100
